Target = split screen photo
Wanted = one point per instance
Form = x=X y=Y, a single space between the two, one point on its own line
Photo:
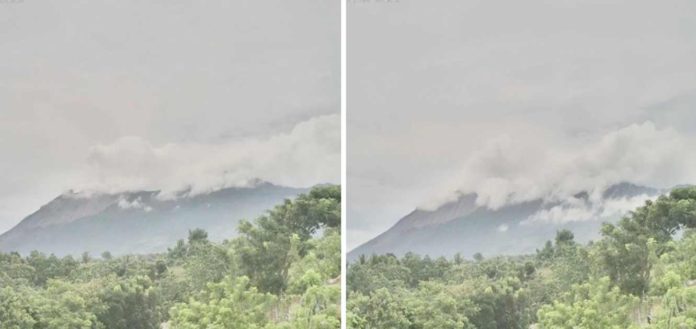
x=362 y=164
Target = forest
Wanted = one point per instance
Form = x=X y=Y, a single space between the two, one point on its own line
x=641 y=273
x=281 y=272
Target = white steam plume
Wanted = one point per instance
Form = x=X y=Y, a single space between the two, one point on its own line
x=309 y=154
x=510 y=170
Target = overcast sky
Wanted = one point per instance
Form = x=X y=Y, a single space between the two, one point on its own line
x=514 y=100
x=115 y=95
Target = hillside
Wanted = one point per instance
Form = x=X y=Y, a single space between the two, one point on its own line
x=464 y=227
x=279 y=272
x=639 y=273
x=137 y=222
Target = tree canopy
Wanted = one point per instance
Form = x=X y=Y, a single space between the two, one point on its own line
x=640 y=274
x=275 y=275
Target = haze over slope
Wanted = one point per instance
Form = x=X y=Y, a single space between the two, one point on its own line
x=507 y=103
x=138 y=222
x=111 y=97
x=467 y=227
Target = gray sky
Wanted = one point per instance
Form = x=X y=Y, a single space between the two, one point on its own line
x=114 y=95
x=514 y=100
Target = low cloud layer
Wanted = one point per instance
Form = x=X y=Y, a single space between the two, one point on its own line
x=123 y=203
x=308 y=154
x=570 y=83
x=570 y=210
x=122 y=95
x=304 y=155
x=508 y=170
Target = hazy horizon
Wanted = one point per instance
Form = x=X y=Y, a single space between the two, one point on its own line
x=514 y=101
x=127 y=95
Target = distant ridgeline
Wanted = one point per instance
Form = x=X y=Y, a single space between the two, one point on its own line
x=138 y=222
x=279 y=272
x=466 y=228
x=640 y=273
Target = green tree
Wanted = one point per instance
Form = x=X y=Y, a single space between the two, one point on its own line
x=15 y=311
x=380 y=310
x=197 y=236
x=230 y=304
x=268 y=247
x=626 y=253
x=64 y=305
x=130 y=303
x=594 y=305
x=436 y=306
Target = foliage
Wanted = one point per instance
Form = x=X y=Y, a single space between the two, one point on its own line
x=232 y=304
x=196 y=284
x=640 y=274
x=267 y=249
x=593 y=305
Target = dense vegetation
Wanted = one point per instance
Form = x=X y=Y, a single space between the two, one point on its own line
x=640 y=274
x=280 y=273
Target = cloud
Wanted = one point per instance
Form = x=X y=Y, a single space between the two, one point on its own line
x=458 y=74
x=183 y=79
x=511 y=170
x=572 y=209
x=308 y=154
x=123 y=203
x=137 y=203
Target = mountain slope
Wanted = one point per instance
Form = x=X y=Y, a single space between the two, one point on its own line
x=138 y=222
x=464 y=227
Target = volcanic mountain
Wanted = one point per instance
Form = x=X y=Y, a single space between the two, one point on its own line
x=138 y=222
x=463 y=226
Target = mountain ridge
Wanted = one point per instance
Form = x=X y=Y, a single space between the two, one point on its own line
x=138 y=221
x=462 y=226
